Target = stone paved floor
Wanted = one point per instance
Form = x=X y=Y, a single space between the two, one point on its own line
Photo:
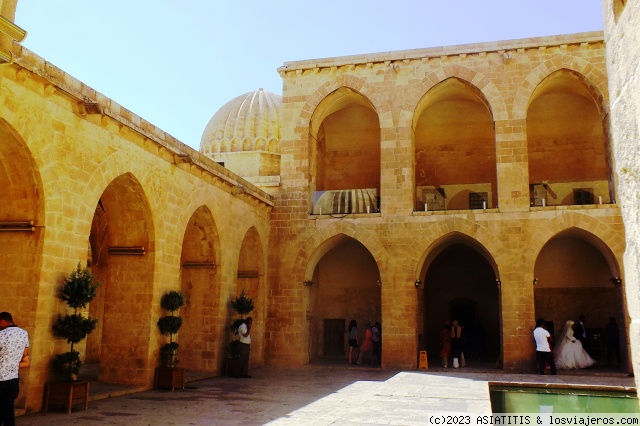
x=315 y=395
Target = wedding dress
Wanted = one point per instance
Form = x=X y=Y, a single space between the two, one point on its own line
x=569 y=352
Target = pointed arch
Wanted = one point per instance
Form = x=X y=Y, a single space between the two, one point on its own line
x=594 y=79
x=607 y=238
x=202 y=344
x=126 y=293
x=323 y=240
x=474 y=78
x=453 y=125
x=23 y=201
x=456 y=230
x=250 y=278
x=248 y=144
x=354 y=83
x=345 y=144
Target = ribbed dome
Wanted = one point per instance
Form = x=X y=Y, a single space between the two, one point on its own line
x=250 y=122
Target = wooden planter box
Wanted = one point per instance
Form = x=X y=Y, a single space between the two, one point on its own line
x=169 y=378
x=65 y=394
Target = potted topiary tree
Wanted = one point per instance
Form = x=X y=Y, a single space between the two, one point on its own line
x=242 y=305
x=77 y=291
x=169 y=375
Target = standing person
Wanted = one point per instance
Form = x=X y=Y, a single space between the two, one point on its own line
x=569 y=351
x=366 y=348
x=612 y=337
x=456 y=345
x=376 y=330
x=543 y=347
x=244 y=348
x=14 y=354
x=353 y=338
x=580 y=332
x=445 y=343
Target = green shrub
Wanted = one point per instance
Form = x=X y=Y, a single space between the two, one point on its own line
x=77 y=292
x=169 y=325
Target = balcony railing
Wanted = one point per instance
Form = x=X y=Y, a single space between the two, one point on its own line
x=569 y=193
x=454 y=197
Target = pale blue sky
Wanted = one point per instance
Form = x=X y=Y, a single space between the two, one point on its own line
x=175 y=63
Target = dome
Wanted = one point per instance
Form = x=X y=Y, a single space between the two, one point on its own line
x=250 y=122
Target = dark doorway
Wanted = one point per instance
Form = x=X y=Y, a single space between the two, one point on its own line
x=334 y=337
x=464 y=311
x=460 y=284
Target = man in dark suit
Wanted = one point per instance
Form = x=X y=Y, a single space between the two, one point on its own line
x=580 y=332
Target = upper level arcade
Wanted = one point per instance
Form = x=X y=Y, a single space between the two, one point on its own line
x=522 y=123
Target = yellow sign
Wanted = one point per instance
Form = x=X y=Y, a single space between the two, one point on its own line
x=423 y=360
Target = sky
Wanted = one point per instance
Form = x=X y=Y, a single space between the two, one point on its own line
x=175 y=63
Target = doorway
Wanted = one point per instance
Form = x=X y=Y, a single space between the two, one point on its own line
x=334 y=337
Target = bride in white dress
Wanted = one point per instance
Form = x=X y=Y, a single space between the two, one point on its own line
x=569 y=351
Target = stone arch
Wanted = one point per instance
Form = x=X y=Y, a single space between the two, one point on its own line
x=202 y=346
x=109 y=169
x=351 y=82
x=565 y=119
x=248 y=144
x=332 y=102
x=22 y=200
x=123 y=220
x=250 y=278
x=442 y=135
x=594 y=79
x=601 y=234
x=424 y=244
x=236 y=145
x=459 y=280
x=274 y=146
x=474 y=78
x=323 y=240
x=576 y=273
x=338 y=159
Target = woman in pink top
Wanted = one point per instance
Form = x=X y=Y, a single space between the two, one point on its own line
x=366 y=348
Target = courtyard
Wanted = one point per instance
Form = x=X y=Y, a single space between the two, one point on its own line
x=336 y=394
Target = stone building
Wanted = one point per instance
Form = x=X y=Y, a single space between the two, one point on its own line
x=473 y=182
x=465 y=182
x=85 y=180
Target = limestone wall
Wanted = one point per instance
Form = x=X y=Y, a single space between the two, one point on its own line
x=622 y=35
x=93 y=176
x=402 y=241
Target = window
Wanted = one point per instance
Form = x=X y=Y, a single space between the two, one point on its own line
x=433 y=198
x=478 y=200
x=537 y=193
x=582 y=196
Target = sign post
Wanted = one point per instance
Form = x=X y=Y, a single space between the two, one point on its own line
x=423 y=360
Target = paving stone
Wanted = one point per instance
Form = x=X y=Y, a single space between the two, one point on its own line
x=312 y=395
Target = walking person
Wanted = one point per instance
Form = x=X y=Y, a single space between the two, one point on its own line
x=445 y=343
x=353 y=339
x=457 y=352
x=580 y=332
x=612 y=337
x=376 y=330
x=366 y=348
x=569 y=351
x=244 y=348
x=14 y=354
x=543 y=340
